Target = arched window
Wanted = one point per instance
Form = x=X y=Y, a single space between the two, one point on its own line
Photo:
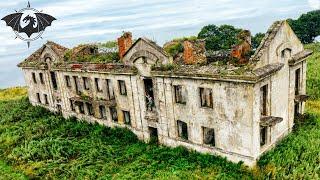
x=285 y=54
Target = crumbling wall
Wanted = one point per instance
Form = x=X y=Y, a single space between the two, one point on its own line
x=124 y=43
x=194 y=52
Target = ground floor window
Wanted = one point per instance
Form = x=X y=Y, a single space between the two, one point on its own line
x=126 y=116
x=38 y=98
x=114 y=114
x=90 y=109
x=208 y=136
x=182 y=130
x=102 y=110
x=81 y=107
x=46 y=99
x=263 y=135
x=72 y=105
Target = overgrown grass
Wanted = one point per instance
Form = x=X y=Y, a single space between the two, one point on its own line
x=12 y=93
x=313 y=75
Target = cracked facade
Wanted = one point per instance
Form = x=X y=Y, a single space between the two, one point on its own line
x=236 y=112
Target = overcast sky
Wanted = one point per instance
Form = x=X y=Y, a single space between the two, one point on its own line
x=86 y=21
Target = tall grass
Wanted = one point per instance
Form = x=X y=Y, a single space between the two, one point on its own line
x=313 y=74
x=12 y=93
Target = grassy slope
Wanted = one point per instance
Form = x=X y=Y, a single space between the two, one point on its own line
x=38 y=144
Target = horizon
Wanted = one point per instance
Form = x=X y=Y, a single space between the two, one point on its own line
x=79 y=22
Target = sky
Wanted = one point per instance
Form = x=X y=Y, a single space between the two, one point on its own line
x=89 y=21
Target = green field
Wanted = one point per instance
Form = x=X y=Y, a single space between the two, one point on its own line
x=35 y=143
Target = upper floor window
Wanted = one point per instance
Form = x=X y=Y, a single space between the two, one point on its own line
x=297 y=81
x=182 y=130
x=86 y=83
x=54 y=80
x=206 y=97
x=263 y=100
x=34 y=78
x=286 y=54
x=122 y=87
x=208 y=136
x=68 y=82
x=180 y=96
x=97 y=84
x=109 y=89
x=41 y=78
x=75 y=79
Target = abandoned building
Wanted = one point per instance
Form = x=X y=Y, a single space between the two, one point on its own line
x=193 y=99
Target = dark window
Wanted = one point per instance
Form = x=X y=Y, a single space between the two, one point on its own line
x=81 y=107
x=59 y=108
x=90 y=109
x=263 y=135
x=54 y=80
x=114 y=114
x=122 y=87
x=182 y=130
x=206 y=97
x=296 y=109
x=148 y=88
x=75 y=79
x=153 y=135
x=41 y=78
x=179 y=94
x=209 y=136
x=97 y=84
x=126 y=116
x=109 y=89
x=46 y=99
x=68 y=82
x=297 y=82
x=72 y=105
x=286 y=54
x=102 y=111
x=86 y=83
x=34 y=78
x=263 y=100
x=38 y=98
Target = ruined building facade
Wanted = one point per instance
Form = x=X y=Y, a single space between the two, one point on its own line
x=235 y=112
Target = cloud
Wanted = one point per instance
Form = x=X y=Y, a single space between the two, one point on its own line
x=314 y=4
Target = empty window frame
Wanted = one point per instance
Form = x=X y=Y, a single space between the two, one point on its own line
x=180 y=94
x=114 y=114
x=34 y=78
x=286 y=54
x=102 y=112
x=38 y=98
x=122 y=87
x=206 y=97
x=126 y=116
x=263 y=135
x=54 y=80
x=81 y=107
x=97 y=84
x=86 y=84
x=75 y=79
x=297 y=81
x=46 y=99
x=263 y=100
x=72 y=107
x=68 y=81
x=41 y=78
x=209 y=136
x=89 y=109
x=110 y=89
x=182 y=130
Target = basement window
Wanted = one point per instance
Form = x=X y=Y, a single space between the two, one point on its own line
x=182 y=130
x=97 y=84
x=81 y=107
x=263 y=100
x=208 y=136
x=102 y=111
x=126 y=116
x=122 y=87
x=34 y=78
x=38 y=98
x=179 y=92
x=90 y=109
x=263 y=135
x=68 y=82
x=46 y=99
x=114 y=114
x=86 y=84
x=206 y=97
x=41 y=78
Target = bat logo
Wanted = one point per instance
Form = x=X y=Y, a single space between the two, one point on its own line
x=28 y=23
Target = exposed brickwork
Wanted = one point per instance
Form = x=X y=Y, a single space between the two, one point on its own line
x=124 y=43
x=194 y=52
x=241 y=50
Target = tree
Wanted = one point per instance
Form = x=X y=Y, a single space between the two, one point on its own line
x=256 y=40
x=307 y=26
x=217 y=38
